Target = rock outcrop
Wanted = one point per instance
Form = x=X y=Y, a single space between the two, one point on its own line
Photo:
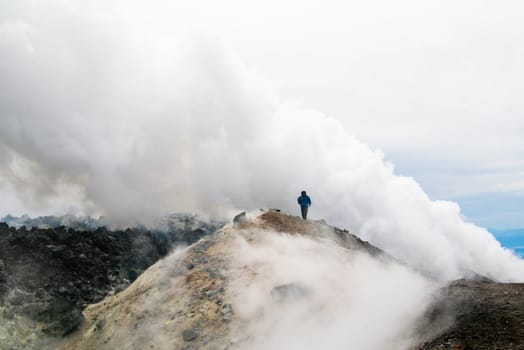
x=274 y=281
x=189 y=300
x=481 y=315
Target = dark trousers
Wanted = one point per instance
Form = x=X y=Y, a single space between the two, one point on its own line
x=304 y=212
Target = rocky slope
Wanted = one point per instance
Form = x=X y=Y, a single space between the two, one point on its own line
x=270 y=282
x=49 y=275
x=223 y=293
x=482 y=315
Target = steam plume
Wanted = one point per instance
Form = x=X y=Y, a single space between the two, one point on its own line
x=102 y=116
x=350 y=305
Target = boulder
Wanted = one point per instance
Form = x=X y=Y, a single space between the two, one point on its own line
x=60 y=317
x=189 y=335
x=290 y=292
x=240 y=218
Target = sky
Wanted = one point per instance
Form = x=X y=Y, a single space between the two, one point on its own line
x=436 y=85
x=388 y=114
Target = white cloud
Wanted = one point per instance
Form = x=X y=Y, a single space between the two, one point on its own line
x=142 y=119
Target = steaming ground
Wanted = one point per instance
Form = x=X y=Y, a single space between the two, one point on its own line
x=105 y=113
x=357 y=302
x=356 y=299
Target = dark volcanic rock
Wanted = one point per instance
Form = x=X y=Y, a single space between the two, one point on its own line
x=3 y=280
x=240 y=218
x=50 y=274
x=478 y=315
x=61 y=317
x=189 y=335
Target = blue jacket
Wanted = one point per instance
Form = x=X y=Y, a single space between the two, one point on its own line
x=304 y=201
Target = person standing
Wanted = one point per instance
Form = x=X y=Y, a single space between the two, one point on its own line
x=305 y=202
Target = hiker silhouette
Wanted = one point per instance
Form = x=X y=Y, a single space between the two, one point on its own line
x=305 y=202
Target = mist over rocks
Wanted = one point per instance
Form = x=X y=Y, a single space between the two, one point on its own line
x=178 y=122
x=49 y=275
x=279 y=282
x=265 y=282
x=274 y=281
x=74 y=222
x=168 y=120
